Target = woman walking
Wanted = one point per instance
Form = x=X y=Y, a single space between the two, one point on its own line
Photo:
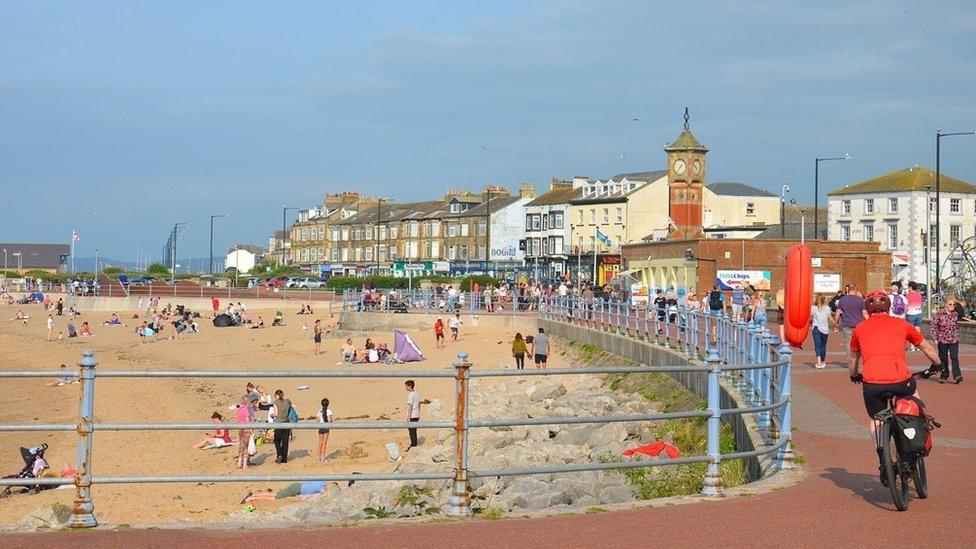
x=945 y=332
x=324 y=416
x=243 y=414
x=820 y=319
x=519 y=348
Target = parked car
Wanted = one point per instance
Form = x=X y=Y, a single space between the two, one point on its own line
x=276 y=282
x=140 y=280
x=304 y=282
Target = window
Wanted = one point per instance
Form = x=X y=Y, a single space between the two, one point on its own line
x=892 y=205
x=545 y=222
x=620 y=215
x=369 y=233
x=435 y=249
x=345 y=254
x=545 y=246
x=592 y=216
x=892 y=236
x=481 y=252
x=345 y=234
x=335 y=234
x=393 y=233
x=932 y=204
x=435 y=228
x=845 y=232
x=452 y=252
x=428 y=248
x=528 y=222
x=557 y=220
x=954 y=206
x=482 y=228
x=369 y=254
x=845 y=208
x=464 y=251
x=933 y=235
x=335 y=254
x=592 y=243
x=606 y=215
x=464 y=229
x=869 y=205
x=383 y=252
x=557 y=244
x=452 y=229
x=382 y=232
x=414 y=231
x=580 y=216
x=750 y=208
x=619 y=242
x=868 y=232
x=954 y=233
x=358 y=254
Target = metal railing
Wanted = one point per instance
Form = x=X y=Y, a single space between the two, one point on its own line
x=428 y=300
x=751 y=358
x=201 y=291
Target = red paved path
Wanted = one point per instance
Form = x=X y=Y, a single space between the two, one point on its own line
x=840 y=503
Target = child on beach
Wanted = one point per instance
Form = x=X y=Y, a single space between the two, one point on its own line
x=220 y=437
x=324 y=416
x=243 y=415
x=455 y=324
x=439 y=334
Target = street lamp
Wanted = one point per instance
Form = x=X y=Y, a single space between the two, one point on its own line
x=284 y=229
x=816 y=190
x=212 y=216
x=928 y=249
x=782 y=210
x=938 y=206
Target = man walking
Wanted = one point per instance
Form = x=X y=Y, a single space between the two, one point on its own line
x=850 y=312
x=540 y=349
x=413 y=411
x=454 y=323
x=281 y=409
x=738 y=300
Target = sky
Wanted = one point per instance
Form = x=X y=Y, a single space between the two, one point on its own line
x=118 y=119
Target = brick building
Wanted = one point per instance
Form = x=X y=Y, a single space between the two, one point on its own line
x=695 y=263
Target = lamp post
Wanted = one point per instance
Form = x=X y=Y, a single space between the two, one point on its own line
x=816 y=190
x=212 y=216
x=938 y=206
x=782 y=210
x=284 y=230
x=928 y=249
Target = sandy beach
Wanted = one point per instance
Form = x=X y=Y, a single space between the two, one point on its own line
x=194 y=400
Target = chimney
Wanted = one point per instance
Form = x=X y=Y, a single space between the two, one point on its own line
x=527 y=190
x=559 y=184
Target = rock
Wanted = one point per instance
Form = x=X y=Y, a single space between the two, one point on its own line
x=544 y=393
x=606 y=435
x=54 y=516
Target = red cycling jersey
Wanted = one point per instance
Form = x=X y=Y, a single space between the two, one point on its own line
x=881 y=342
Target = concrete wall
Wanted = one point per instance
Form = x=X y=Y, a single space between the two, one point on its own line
x=746 y=432
x=367 y=322
x=114 y=304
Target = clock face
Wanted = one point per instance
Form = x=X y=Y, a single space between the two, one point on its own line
x=679 y=167
x=696 y=167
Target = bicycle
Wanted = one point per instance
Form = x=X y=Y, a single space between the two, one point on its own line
x=898 y=468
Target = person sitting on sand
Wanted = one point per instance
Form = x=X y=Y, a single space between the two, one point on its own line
x=258 y=324
x=348 y=352
x=113 y=321
x=65 y=379
x=19 y=316
x=220 y=437
x=85 y=329
x=279 y=319
x=312 y=489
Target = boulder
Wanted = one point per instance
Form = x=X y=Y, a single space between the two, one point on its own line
x=549 y=392
x=607 y=435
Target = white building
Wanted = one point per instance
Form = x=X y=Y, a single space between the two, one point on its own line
x=243 y=257
x=548 y=231
x=891 y=209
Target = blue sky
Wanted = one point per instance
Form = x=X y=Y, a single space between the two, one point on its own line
x=154 y=112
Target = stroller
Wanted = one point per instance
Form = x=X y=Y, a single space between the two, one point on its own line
x=72 y=331
x=30 y=456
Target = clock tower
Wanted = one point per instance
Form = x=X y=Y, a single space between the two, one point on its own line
x=686 y=176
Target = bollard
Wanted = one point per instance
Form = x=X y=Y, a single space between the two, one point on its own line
x=786 y=459
x=713 y=477
x=459 y=505
x=83 y=513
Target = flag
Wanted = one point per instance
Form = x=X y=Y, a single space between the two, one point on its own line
x=74 y=236
x=604 y=239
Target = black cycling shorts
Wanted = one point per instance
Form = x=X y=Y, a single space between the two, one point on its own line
x=876 y=394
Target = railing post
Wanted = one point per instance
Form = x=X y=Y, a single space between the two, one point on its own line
x=459 y=505
x=83 y=513
x=713 y=478
x=786 y=459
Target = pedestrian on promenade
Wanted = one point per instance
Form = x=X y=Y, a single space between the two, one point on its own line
x=317 y=337
x=325 y=417
x=899 y=303
x=519 y=348
x=413 y=411
x=850 y=312
x=738 y=301
x=439 y=334
x=540 y=349
x=945 y=331
x=280 y=412
x=820 y=319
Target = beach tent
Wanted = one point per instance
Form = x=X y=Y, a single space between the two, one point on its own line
x=405 y=349
x=38 y=297
x=223 y=321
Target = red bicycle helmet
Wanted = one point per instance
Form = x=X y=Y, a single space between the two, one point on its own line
x=877 y=302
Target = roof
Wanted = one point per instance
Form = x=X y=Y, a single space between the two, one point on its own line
x=252 y=248
x=36 y=256
x=685 y=142
x=793 y=231
x=908 y=179
x=615 y=192
x=497 y=203
x=795 y=213
x=641 y=176
x=731 y=188
x=559 y=195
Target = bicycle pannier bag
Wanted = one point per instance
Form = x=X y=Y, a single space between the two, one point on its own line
x=912 y=434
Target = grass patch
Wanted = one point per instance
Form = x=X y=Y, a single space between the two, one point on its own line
x=493 y=513
x=595 y=510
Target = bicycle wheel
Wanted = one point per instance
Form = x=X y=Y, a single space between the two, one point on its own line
x=897 y=481
x=918 y=475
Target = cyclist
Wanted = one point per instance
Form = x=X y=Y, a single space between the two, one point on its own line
x=880 y=342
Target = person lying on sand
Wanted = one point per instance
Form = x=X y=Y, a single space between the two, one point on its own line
x=63 y=380
x=19 y=316
x=312 y=489
x=220 y=437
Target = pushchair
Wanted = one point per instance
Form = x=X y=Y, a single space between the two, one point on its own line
x=30 y=456
x=72 y=331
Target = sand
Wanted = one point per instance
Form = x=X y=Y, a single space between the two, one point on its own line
x=194 y=400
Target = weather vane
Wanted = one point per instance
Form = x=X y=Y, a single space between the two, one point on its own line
x=687 y=127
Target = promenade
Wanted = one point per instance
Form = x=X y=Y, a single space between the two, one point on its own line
x=838 y=501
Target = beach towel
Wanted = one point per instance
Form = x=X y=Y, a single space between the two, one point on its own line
x=218 y=443
x=654 y=450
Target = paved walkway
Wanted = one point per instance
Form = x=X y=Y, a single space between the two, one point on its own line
x=839 y=503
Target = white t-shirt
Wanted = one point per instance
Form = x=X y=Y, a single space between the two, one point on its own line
x=454 y=322
x=328 y=416
x=50 y=323
x=413 y=401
